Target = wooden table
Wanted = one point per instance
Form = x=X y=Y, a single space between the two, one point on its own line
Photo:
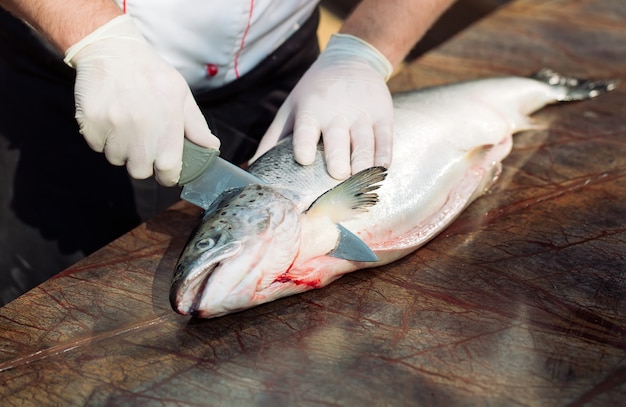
x=522 y=301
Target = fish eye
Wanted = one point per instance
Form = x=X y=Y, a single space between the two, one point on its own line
x=205 y=244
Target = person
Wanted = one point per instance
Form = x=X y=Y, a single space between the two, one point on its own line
x=135 y=77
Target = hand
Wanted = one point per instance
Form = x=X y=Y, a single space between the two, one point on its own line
x=132 y=105
x=344 y=96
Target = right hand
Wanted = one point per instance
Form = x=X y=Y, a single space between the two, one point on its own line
x=132 y=105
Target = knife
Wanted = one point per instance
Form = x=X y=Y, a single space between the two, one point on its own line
x=205 y=175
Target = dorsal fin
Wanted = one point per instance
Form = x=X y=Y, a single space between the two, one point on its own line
x=350 y=197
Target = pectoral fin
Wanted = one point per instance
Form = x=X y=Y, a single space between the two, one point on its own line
x=346 y=200
x=351 y=247
x=352 y=196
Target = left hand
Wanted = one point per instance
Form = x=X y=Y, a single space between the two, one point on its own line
x=344 y=97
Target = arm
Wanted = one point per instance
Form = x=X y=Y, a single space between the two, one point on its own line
x=343 y=98
x=394 y=26
x=130 y=103
x=63 y=23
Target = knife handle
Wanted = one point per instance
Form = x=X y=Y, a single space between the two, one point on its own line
x=196 y=160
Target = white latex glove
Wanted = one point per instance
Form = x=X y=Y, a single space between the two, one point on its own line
x=344 y=96
x=132 y=105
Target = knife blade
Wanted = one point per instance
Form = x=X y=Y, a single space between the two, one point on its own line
x=205 y=175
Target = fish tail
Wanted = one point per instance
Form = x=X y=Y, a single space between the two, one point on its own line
x=575 y=88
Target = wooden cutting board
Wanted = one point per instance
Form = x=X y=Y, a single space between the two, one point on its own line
x=522 y=301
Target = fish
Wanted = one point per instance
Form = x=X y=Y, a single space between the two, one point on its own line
x=259 y=243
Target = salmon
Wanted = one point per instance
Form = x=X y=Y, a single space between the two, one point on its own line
x=305 y=229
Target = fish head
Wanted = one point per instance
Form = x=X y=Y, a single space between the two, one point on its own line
x=245 y=238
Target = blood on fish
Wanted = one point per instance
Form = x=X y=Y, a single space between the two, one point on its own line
x=288 y=279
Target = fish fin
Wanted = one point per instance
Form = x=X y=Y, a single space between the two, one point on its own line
x=352 y=196
x=575 y=89
x=351 y=247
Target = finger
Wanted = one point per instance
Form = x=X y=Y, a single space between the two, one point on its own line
x=362 y=157
x=89 y=133
x=169 y=154
x=141 y=150
x=281 y=125
x=383 y=136
x=115 y=149
x=337 y=148
x=86 y=114
x=168 y=174
x=139 y=161
x=306 y=136
x=106 y=132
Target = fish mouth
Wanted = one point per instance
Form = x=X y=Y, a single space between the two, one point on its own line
x=186 y=292
x=195 y=309
x=192 y=278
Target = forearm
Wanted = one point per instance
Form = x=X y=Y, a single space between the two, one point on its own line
x=394 y=26
x=63 y=23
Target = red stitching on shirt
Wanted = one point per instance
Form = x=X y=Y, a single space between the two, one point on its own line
x=243 y=39
x=124 y=6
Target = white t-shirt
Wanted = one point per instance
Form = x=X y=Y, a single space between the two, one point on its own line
x=213 y=42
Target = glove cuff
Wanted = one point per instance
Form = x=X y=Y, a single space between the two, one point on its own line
x=120 y=26
x=347 y=44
